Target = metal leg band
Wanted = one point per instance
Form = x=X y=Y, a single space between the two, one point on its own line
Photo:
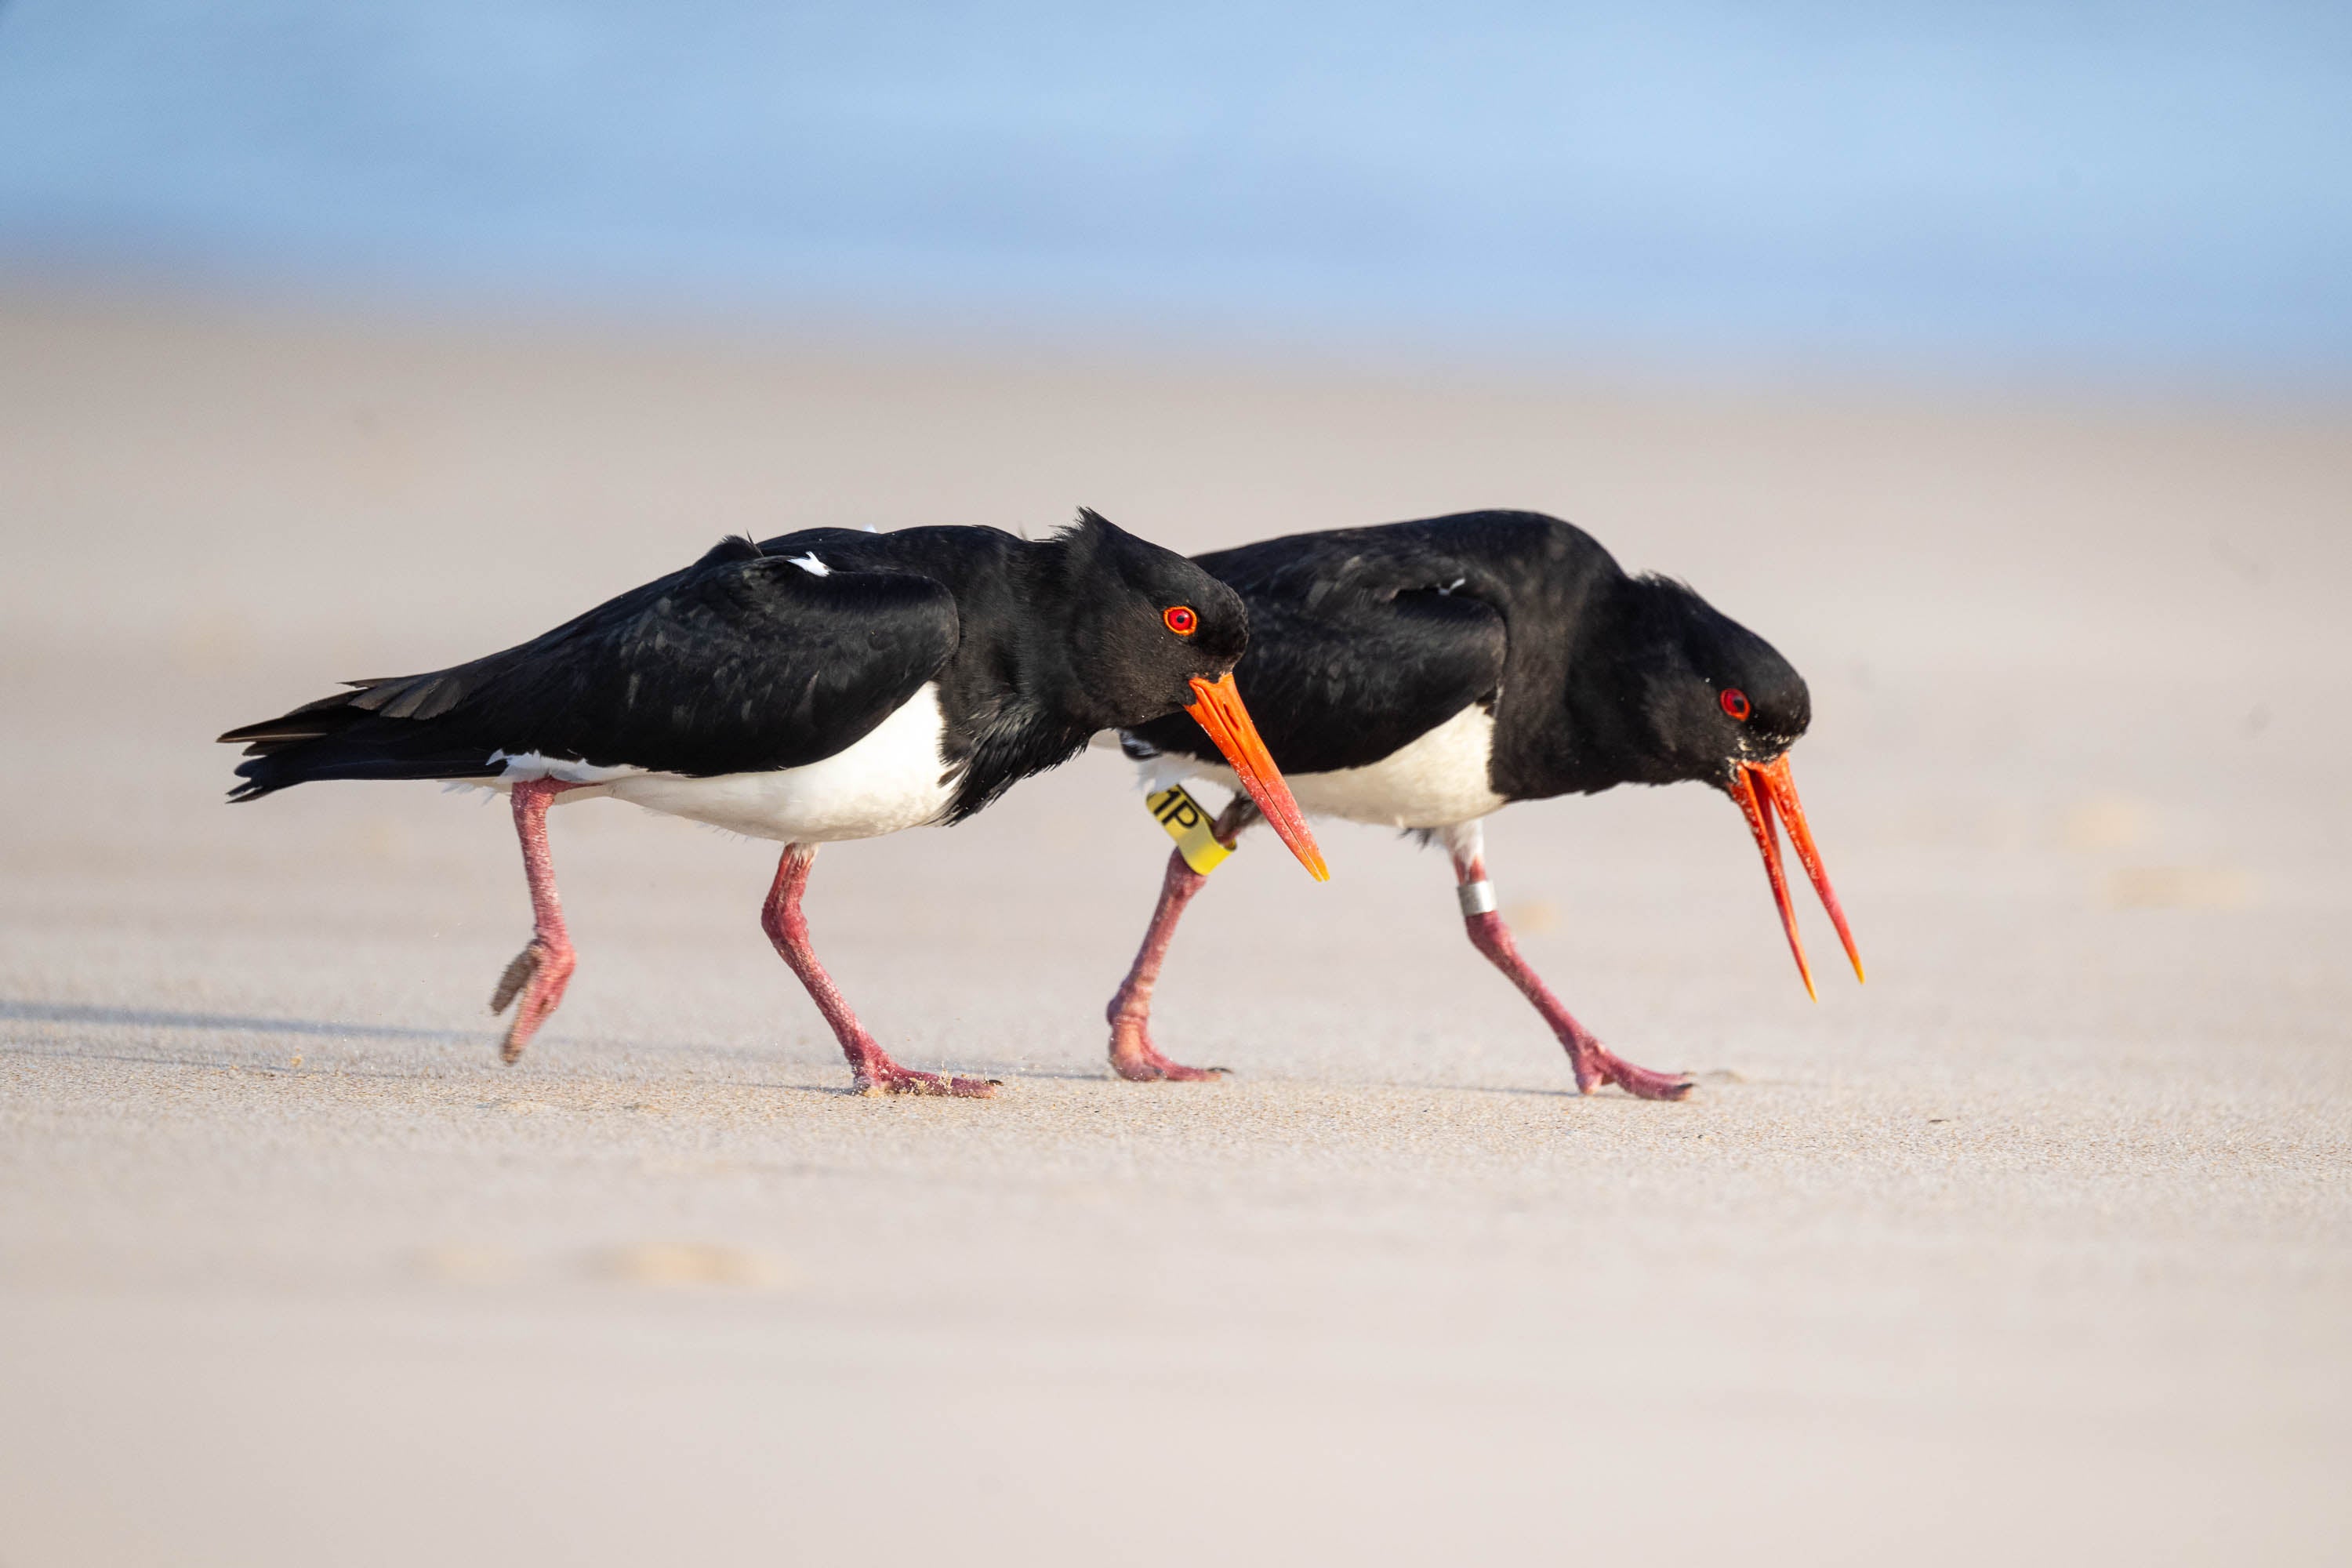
x=1477 y=898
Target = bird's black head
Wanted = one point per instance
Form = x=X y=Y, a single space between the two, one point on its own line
x=1143 y=624
x=1709 y=694
x=1698 y=696
x=1149 y=633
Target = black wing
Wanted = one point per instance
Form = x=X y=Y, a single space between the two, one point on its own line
x=740 y=663
x=1360 y=641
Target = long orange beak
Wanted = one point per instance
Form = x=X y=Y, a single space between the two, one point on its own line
x=1217 y=705
x=1762 y=789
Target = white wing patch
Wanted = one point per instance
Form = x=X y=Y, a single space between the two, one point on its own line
x=812 y=565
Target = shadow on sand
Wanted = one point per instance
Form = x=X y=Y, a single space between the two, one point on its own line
x=139 y=1017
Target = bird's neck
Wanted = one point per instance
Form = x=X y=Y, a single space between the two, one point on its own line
x=1608 y=690
x=1022 y=708
x=1570 y=715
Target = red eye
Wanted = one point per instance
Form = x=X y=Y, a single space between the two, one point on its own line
x=1735 y=702
x=1182 y=620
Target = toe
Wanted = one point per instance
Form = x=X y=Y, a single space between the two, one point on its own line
x=1644 y=1084
x=906 y=1080
x=511 y=981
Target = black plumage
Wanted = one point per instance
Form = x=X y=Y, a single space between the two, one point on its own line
x=747 y=661
x=1365 y=638
x=739 y=663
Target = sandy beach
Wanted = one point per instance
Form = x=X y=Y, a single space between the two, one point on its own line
x=2037 y=1248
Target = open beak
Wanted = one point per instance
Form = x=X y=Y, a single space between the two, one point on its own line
x=1763 y=789
x=1217 y=705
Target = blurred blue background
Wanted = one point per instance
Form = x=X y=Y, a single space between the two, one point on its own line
x=2105 y=189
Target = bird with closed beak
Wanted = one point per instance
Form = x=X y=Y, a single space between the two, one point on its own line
x=825 y=685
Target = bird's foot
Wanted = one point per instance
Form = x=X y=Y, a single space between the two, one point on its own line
x=537 y=975
x=1594 y=1067
x=1134 y=1058
x=877 y=1074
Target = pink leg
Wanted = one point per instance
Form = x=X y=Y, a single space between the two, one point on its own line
x=541 y=971
x=873 y=1070
x=1592 y=1065
x=1132 y=1055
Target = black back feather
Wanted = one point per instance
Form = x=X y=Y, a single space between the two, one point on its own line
x=1365 y=638
x=742 y=662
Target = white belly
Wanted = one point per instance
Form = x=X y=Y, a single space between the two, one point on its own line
x=1435 y=781
x=893 y=779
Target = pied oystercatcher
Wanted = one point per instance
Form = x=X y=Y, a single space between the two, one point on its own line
x=1423 y=674
x=825 y=685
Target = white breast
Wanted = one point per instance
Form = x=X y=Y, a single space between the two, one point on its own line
x=1435 y=781
x=894 y=778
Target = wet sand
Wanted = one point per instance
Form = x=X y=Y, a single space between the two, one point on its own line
x=2035 y=1248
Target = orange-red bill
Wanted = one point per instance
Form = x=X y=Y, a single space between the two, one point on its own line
x=1761 y=790
x=1756 y=805
x=1774 y=777
x=1217 y=707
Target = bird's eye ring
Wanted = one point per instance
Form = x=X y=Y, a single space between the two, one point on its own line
x=1182 y=620
x=1735 y=702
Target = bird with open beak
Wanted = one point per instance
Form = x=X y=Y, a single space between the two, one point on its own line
x=1424 y=674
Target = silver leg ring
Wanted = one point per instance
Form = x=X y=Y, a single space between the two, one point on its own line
x=1477 y=898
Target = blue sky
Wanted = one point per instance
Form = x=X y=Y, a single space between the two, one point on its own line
x=2075 y=187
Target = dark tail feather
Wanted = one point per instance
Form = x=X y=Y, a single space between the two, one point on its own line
x=337 y=738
